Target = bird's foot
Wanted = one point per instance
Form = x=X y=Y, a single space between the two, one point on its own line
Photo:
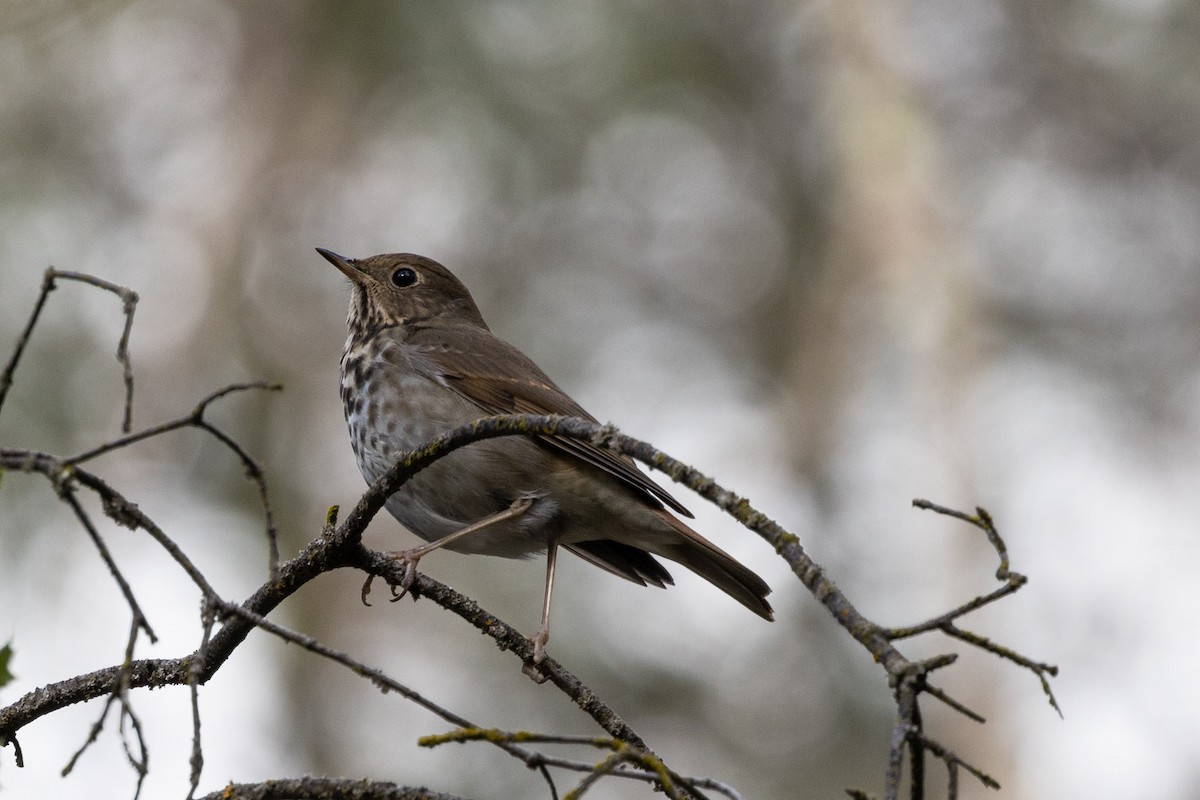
x=539 y=640
x=410 y=558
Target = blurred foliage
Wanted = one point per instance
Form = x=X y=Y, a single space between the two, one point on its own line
x=6 y=654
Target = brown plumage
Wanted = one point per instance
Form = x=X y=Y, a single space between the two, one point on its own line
x=420 y=360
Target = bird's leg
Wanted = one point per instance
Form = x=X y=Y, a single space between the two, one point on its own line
x=542 y=637
x=412 y=556
x=543 y=632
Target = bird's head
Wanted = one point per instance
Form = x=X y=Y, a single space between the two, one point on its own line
x=396 y=289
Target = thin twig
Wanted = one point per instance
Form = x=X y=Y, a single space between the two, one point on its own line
x=951 y=760
x=954 y=704
x=255 y=473
x=123 y=512
x=141 y=760
x=1038 y=668
x=67 y=493
x=495 y=735
x=379 y=678
x=6 y=377
x=196 y=762
x=942 y=620
x=93 y=735
x=196 y=419
x=916 y=755
x=119 y=695
x=129 y=299
x=980 y=519
x=1013 y=581
x=193 y=418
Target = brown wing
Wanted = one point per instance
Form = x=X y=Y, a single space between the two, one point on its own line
x=500 y=379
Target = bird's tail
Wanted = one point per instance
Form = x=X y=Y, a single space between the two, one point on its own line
x=716 y=566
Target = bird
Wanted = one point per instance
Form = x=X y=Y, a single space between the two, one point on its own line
x=420 y=360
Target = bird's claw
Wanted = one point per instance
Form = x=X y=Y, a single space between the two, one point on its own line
x=410 y=573
x=539 y=644
x=532 y=672
x=539 y=641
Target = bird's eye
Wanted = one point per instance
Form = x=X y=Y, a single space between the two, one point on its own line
x=404 y=277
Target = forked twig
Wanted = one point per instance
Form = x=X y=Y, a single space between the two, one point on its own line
x=129 y=299
x=1013 y=581
x=196 y=419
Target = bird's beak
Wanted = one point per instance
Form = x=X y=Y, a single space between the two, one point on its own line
x=342 y=263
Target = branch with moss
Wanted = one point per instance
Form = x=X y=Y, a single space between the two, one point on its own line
x=226 y=624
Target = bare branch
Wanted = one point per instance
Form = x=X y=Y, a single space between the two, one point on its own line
x=67 y=493
x=618 y=748
x=196 y=419
x=6 y=377
x=1013 y=581
x=226 y=624
x=379 y=678
x=129 y=299
x=197 y=757
x=980 y=519
x=341 y=547
x=325 y=788
x=1041 y=669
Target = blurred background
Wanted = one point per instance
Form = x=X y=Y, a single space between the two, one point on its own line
x=837 y=255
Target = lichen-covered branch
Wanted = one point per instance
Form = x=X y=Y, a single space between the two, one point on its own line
x=226 y=624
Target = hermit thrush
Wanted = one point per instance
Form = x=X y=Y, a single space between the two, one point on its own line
x=420 y=361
